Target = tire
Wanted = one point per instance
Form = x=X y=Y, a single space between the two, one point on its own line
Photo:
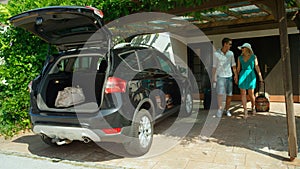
x=187 y=107
x=141 y=134
x=48 y=140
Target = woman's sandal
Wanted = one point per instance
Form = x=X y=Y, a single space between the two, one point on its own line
x=245 y=114
x=253 y=111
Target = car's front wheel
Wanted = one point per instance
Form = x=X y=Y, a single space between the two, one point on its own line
x=187 y=107
x=141 y=134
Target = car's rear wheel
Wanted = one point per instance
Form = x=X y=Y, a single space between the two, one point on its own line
x=141 y=134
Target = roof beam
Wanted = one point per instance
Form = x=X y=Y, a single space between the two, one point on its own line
x=243 y=28
x=272 y=8
x=236 y=22
x=208 y=5
x=228 y=12
x=265 y=8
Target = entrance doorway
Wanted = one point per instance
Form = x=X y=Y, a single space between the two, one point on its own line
x=200 y=63
x=268 y=53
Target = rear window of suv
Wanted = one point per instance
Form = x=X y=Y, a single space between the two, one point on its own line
x=76 y=64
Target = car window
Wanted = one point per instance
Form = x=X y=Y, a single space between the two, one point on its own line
x=128 y=60
x=131 y=59
x=147 y=59
x=85 y=64
x=74 y=64
x=165 y=63
x=61 y=66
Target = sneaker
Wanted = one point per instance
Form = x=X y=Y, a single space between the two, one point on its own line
x=228 y=113
x=219 y=113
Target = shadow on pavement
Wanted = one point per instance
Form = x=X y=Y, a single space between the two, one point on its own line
x=76 y=151
x=265 y=133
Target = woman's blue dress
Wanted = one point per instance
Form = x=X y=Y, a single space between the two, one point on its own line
x=247 y=77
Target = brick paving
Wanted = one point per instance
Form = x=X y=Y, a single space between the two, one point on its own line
x=256 y=142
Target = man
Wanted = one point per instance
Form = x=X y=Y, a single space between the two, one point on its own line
x=223 y=61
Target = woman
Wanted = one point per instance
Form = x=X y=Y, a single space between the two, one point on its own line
x=247 y=62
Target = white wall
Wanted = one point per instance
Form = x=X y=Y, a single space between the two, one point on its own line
x=216 y=39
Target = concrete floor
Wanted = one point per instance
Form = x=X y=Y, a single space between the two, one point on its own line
x=196 y=142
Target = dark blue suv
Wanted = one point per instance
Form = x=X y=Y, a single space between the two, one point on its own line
x=116 y=94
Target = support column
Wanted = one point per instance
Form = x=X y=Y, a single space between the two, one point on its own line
x=287 y=80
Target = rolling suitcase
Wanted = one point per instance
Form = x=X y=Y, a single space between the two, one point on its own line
x=207 y=98
x=262 y=101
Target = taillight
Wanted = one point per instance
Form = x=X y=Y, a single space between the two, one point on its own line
x=111 y=130
x=96 y=11
x=115 y=85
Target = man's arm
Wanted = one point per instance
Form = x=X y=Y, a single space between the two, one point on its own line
x=214 y=78
x=235 y=74
x=214 y=70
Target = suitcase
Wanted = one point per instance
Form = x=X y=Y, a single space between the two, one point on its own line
x=207 y=98
x=262 y=101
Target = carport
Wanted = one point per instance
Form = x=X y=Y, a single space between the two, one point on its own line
x=248 y=15
x=227 y=16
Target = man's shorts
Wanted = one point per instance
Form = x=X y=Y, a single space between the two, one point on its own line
x=224 y=86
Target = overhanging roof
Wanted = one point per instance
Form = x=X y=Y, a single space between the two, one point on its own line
x=211 y=17
x=216 y=17
x=225 y=16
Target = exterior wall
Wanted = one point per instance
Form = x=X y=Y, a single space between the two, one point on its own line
x=216 y=39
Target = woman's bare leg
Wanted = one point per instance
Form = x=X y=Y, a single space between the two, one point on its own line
x=244 y=102
x=252 y=99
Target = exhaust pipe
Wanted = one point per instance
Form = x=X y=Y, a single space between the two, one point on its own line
x=62 y=142
x=65 y=141
x=86 y=139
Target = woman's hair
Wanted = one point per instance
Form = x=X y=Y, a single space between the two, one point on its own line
x=249 y=51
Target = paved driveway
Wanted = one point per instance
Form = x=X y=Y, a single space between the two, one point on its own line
x=258 y=142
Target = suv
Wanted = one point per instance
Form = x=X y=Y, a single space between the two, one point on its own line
x=122 y=90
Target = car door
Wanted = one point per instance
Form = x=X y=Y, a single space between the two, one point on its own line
x=172 y=81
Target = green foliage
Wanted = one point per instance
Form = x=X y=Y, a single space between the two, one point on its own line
x=23 y=55
x=4 y=14
x=114 y=9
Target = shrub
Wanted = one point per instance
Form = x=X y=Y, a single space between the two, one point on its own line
x=23 y=56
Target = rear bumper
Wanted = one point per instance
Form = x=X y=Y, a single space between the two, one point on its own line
x=79 y=126
x=79 y=133
x=71 y=133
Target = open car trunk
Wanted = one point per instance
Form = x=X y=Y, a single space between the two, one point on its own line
x=85 y=74
x=71 y=29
